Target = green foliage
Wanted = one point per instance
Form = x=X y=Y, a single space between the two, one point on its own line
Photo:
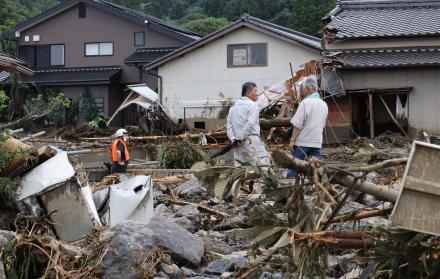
x=306 y=16
x=180 y=155
x=48 y=103
x=7 y=187
x=206 y=25
x=4 y=101
x=87 y=106
x=98 y=121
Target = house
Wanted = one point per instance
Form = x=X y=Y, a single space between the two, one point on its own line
x=95 y=46
x=390 y=55
x=199 y=81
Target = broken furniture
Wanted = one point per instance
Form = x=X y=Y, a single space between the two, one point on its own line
x=418 y=204
x=53 y=186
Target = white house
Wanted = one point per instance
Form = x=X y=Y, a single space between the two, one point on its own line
x=199 y=81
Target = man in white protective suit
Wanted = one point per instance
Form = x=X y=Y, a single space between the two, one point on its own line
x=243 y=129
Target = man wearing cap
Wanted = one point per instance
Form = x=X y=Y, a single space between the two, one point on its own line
x=119 y=152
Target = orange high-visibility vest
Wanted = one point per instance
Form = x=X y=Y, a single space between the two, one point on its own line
x=114 y=157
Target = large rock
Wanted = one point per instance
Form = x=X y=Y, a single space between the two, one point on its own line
x=130 y=243
x=219 y=266
x=190 y=189
x=183 y=245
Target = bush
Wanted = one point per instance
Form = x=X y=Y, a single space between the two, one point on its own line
x=181 y=155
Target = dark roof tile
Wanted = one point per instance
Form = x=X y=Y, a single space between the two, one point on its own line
x=146 y=55
x=384 y=58
x=369 y=19
x=92 y=75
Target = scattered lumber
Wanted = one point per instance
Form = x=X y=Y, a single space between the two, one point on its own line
x=163 y=138
x=276 y=122
x=339 y=239
x=359 y=215
x=345 y=178
x=203 y=208
x=170 y=180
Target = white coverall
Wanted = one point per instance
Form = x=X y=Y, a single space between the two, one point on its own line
x=243 y=124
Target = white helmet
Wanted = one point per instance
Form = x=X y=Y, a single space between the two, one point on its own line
x=120 y=133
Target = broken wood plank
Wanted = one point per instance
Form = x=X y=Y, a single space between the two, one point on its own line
x=203 y=208
x=371 y=110
x=381 y=165
x=392 y=116
x=359 y=215
x=162 y=138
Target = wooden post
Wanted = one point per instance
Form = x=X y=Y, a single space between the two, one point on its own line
x=392 y=116
x=370 y=105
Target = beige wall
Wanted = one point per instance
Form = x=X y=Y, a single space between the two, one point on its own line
x=203 y=73
x=424 y=100
x=98 y=26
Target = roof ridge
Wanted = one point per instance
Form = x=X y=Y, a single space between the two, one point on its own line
x=367 y=4
x=286 y=29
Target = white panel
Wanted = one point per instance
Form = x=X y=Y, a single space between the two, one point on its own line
x=106 y=49
x=26 y=39
x=36 y=38
x=144 y=90
x=92 y=49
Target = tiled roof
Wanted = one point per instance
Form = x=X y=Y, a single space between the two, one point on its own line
x=64 y=76
x=146 y=55
x=283 y=31
x=384 y=58
x=392 y=18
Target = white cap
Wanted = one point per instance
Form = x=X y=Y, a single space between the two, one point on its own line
x=120 y=133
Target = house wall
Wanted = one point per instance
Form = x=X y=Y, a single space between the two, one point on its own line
x=424 y=99
x=67 y=28
x=203 y=73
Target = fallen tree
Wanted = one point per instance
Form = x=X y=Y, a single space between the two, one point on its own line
x=344 y=178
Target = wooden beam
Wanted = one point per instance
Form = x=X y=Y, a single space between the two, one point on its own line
x=392 y=116
x=371 y=108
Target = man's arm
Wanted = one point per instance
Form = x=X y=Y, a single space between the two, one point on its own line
x=295 y=134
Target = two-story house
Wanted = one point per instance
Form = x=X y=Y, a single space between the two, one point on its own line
x=97 y=46
x=390 y=52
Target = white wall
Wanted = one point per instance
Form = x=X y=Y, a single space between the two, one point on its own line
x=203 y=74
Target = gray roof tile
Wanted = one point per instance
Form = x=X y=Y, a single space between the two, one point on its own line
x=92 y=75
x=380 y=58
x=368 y=19
x=146 y=55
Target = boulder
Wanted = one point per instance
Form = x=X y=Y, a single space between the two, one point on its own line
x=131 y=242
x=172 y=271
x=190 y=189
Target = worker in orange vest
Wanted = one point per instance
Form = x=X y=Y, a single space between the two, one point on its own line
x=119 y=153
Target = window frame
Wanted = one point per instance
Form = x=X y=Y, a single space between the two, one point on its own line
x=247 y=65
x=64 y=56
x=99 y=49
x=134 y=38
x=84 y=7
x=103 y=103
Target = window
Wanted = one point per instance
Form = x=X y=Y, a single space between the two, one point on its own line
x=139 y=38
x=57 y=55
x=82 y=10
x=99 y=102
x=247 y=55
x=99 y=49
